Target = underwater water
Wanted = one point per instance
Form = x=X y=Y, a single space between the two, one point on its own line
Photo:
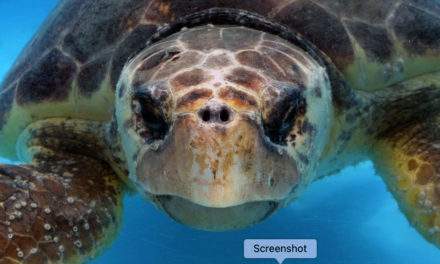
x=352 y=216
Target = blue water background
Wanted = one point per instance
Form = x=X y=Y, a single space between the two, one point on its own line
x=353 y=217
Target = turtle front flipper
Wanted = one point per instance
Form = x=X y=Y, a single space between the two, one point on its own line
x=62 y=208
x=407 y=155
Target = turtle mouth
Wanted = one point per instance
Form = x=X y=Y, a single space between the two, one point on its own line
x=215 y=219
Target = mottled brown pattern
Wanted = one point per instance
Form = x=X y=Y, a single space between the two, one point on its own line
x=185 y=60
x=100 y=25
x=190 y=78
x=414 y=186
x=93 y=26
x=290 y=71
x=155 y=59
x=49 y=79
x=425 y=174
x=56 y=210
x=189 y=99
x=412 y=165
x=92 y=74
x=239 y=97
x=321 y=27
x=409 y=106
x=218 y=61
x=246 y=78
x=256 y=60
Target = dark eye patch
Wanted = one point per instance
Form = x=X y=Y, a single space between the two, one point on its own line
x=282 y=115
x=152 y=115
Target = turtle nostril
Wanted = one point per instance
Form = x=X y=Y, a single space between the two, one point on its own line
x=216 y=113
x=224 y=115
x=206 y=115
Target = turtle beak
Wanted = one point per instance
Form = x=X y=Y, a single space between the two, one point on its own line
x=217 y=158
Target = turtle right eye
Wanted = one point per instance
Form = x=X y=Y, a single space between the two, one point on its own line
x=278 y=124
x=153 y=123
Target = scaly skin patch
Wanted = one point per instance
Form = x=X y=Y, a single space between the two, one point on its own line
x=56 y=210
x=412 y=176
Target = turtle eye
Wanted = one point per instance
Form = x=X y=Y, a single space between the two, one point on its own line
x=151 y=120
x=282 y=115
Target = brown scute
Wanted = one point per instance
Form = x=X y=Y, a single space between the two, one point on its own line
x=204 y=39
x=44 y=40
x=66 y=212
x=256 y=60
x=189 y=78
x=163 y=11
x=251 y=58
x=291 y=72
x=425 y=174
x=418 y=30
x=289 y=49
x=373 y=39
x=100 y=26
x=375 y=11
x=49 y=79
x=154 y=61
x=185 y=60
x=321 y=28
x=242 y=98
x=6 y=102
x=246 y=78
x=218 y=61
x=409 y=107
x=412 y=165
x=237 y=38
x=193 y=96
x=92 y=74
x=132 y=44
x=159 y=12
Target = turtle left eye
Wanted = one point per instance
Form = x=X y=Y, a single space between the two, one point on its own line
x=282 y=116
x=152 y=116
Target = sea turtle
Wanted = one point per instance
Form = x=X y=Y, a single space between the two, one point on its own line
x=217 y=111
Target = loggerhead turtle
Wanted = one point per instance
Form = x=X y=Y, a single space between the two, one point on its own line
x=219 y=112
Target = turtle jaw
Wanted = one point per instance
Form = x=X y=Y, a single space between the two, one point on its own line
x=215 y=219
x=217 y=166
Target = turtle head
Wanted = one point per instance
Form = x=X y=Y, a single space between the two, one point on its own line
x=222 y=125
